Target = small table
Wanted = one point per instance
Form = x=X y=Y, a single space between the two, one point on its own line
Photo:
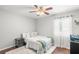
x=19 y=42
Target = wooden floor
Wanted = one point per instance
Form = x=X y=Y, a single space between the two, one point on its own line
x=57 y=51
x=61 y=51
x=6 y=50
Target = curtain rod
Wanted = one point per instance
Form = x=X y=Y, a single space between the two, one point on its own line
x=63 y=16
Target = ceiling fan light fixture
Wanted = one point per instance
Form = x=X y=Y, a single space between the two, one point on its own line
x=40 y=13
x=41 y=10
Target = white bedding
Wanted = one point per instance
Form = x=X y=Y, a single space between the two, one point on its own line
x=32 y=42
x=44 y=38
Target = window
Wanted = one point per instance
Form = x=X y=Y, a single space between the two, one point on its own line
x=62 y=31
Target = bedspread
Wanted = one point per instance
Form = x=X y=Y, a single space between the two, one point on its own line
x=39 y=43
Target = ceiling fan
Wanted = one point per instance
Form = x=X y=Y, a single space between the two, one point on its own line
x=39 y=10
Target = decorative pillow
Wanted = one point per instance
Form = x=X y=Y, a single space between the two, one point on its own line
x=26 y=35
x=33 y=34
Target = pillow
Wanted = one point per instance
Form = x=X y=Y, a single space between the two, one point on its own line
x=26 y=35
x=33 y=34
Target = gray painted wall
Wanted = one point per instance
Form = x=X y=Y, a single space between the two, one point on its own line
x=45 y=26
x=11 y=26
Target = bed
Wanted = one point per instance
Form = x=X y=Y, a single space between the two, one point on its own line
x=39 y=43
x=35 y=44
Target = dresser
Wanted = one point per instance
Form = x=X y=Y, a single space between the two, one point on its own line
x=74 y=44
x=74 y=47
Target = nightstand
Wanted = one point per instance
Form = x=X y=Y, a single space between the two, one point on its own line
x=19 y=42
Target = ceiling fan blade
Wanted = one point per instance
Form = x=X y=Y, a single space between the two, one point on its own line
x=32 y=11
x=46 y=13
x=50 y=8
x=36 y=6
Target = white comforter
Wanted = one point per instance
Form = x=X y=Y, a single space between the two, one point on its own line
x=32 y=42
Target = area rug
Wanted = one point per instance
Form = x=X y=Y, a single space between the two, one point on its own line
x=23 y=50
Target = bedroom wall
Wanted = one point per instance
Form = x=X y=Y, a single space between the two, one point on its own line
x=11 y=26
x=75 y=27
x=45 y=25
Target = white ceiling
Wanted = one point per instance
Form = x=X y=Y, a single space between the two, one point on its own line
x=24 y=9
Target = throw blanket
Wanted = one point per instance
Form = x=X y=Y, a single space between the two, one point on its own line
x=43 y=45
